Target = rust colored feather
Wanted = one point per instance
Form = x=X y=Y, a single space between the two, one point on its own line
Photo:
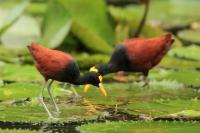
x=50 y=63
x=146 y=53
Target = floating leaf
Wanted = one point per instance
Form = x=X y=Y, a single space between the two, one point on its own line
x=192 y=36
x=139 y=127
x=190 y=52
x=13 y=72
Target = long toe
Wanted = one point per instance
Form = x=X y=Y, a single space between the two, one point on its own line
x=76 y=98
x=56 y=113
x=146 y=84
x=51 y=118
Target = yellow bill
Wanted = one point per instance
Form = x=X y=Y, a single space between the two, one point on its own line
x=102 y=89
x=87 y=86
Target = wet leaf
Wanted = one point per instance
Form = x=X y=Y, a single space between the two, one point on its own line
x=191 y=36
x=188 y=77
x=190 y=52
x=13 y=72
x=141 y=127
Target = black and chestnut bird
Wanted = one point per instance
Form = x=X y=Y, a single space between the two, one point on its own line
x=136 y=55
x=60 y=66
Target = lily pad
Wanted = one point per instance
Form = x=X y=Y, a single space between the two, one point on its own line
x=13 y=72
x=141 y=127
x=25 y=90
x=18 y=131
x=177 y=63
x=190 y=52
x=192 y=36
x=6 y=56
x=161 y=108
x=188 y=77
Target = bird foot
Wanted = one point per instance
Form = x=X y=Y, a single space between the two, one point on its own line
x=56 y=113
x=146 y=84
x=51 y=118
x=76 y=98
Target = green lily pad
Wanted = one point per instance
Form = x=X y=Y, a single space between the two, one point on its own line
x=141 y=127
x=18 y=131
x=162 y=108
x=172 y=62
x=19 y=73
x=190 y=52
x=6 y=56
x=192 y=36
x=186 y=113
x=25 y=90
x=188 y=77
x=130 y=92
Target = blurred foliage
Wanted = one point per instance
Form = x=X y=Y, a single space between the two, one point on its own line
x=12 y=16
x=54 y=32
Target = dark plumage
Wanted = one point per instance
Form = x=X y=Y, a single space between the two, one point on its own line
x=136 y=55
x=60 y=66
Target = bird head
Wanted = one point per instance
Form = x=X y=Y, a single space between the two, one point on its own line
x=96 y=80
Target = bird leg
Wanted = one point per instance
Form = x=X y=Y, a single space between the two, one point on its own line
x=41 y=99
x=76 y=97
x=50 y=94
x=145 y=79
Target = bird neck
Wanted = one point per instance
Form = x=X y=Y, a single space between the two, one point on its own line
x=106 y=68
x=82 y=79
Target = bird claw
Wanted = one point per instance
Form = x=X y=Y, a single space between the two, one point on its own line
x=76 y=98
x=51 y=118
x=146 y=84
x=56 y=113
